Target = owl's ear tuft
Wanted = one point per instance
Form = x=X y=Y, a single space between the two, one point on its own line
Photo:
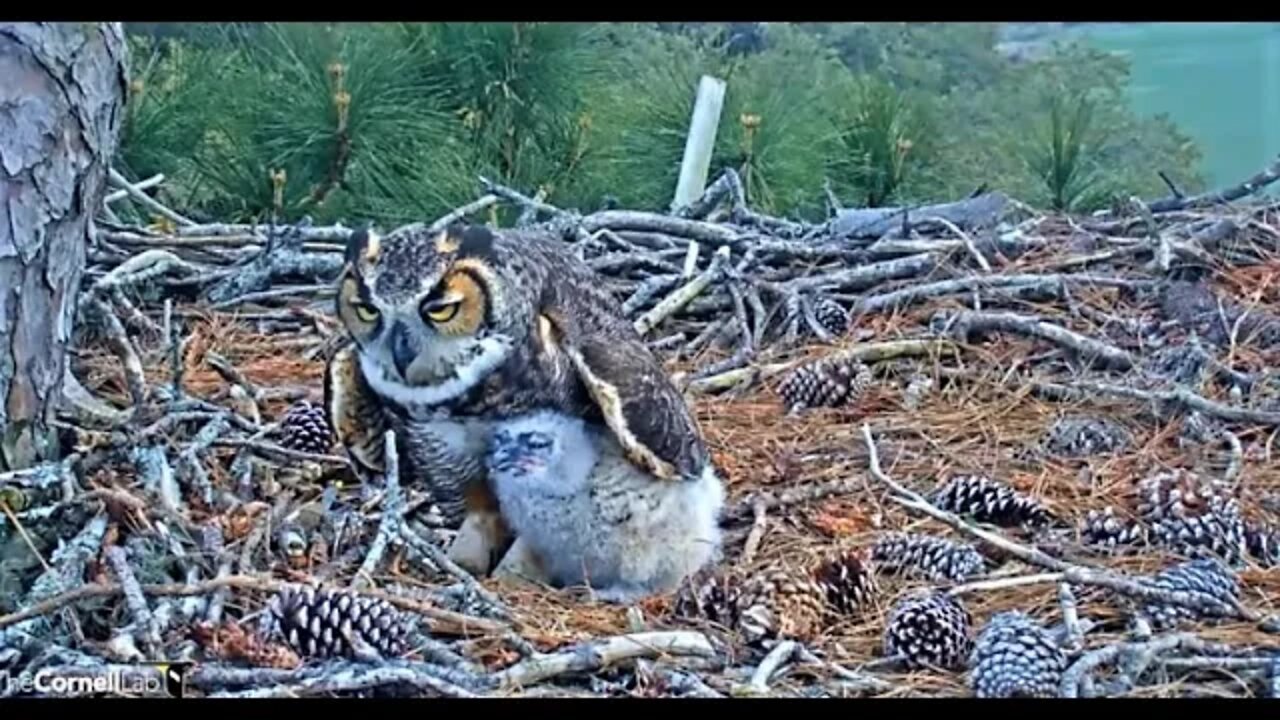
x=356 y=243
x=476 y=242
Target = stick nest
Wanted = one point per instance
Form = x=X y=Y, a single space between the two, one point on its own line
x=1066 y=359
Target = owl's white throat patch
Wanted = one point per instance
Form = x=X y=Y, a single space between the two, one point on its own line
x=493 y=351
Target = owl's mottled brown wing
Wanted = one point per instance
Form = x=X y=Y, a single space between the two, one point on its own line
x=640 y=404
x=354 y=411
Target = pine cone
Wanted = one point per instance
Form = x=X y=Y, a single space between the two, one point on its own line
x=1015 y=657
x=990 y=501
x=709 y=595
x=1205 y=575
x=778 y=603
x=933 y=557
x=1196 y=428
x=1263 y=543
x=1104 y=528
x=830 y=316
x=918 y=386
x=826 y=382
x=1085 y=436
x=329 y=623
x=848 y=583
x=1176 y=364
x=929 y=629
x=305 y=427
x=1190 y=516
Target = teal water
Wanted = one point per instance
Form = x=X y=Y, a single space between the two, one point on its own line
x=1220 y=82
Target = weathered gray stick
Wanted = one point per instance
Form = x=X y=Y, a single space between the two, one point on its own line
x=967 y=323
x=599 y=654
x=684 y=295
x=392 y=513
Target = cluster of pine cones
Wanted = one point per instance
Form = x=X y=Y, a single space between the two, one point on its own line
x=1015 y=656
x=1012 y=656
x=924 y=629
x=830 y=381
x=1187 y=514
x=828 y=314
x=779 y=601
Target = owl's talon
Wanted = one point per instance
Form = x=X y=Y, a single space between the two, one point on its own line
x=471 y=548
x=620 y=595
x=520 y=564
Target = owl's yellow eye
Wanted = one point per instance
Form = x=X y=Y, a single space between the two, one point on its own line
x=366 y=313
x=442 y=313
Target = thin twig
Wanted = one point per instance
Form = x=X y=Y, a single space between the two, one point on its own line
x=1074 y=634
x=135 y=598
x=754 y=537
x=1005 y=583
x=150 y=203
x=964 y=238
x=441 y=559
x=358 y=677
x=684 y=295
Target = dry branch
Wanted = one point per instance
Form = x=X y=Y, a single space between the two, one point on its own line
x=595 y=655
x=967 y=323
x=1262 y=179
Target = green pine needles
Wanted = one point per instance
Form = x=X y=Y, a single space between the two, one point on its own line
x=395 y=122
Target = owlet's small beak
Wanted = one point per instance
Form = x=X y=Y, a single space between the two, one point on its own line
x=403 y=351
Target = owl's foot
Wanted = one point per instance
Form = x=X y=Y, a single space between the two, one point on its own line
x=481 y=537
x=521 y=564
x=620 y=594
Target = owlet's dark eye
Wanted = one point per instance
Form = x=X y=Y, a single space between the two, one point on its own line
x=536 y=440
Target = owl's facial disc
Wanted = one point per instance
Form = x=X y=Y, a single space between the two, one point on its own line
x=422 y=314
x=437 y=345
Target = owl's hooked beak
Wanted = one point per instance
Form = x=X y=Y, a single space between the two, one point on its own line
x=403 y=352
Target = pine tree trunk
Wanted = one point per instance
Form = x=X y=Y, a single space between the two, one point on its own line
x=62 y=93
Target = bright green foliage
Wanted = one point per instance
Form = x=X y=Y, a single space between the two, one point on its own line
x=515 y=92
x=396 y=122
x=932 y=57
x=641 y=114
x=882 y=138
x=1059 y=154
x=1003 y=135
x=334 y=109
x=173 y=93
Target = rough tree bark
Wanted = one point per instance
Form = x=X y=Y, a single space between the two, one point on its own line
x=62 y=94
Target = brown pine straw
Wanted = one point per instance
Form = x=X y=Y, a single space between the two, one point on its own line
x=979 y=425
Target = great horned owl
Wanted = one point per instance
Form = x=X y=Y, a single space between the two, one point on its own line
x=468 y=326
x=585 y=515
